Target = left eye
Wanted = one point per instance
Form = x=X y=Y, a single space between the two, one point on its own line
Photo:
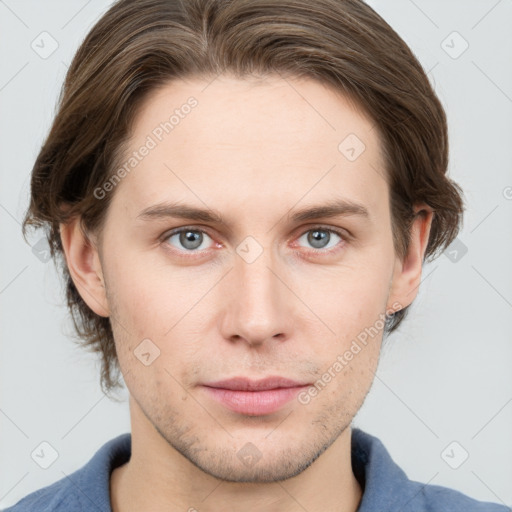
x=319 y=238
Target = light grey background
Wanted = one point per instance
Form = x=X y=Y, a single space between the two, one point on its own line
x=444 y=377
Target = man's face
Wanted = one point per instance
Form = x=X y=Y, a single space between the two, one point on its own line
x=260 y=294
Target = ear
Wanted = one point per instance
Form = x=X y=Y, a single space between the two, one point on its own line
x=407 y=273
x=84 y=266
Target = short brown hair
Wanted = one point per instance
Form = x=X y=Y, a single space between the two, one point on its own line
x=140 y=45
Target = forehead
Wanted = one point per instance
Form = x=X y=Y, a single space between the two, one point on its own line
x=235 y=141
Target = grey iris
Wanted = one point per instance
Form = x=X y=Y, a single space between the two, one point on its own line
x=317 y=237
x=191 y=239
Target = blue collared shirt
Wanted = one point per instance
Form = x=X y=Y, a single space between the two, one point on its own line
x=386 y=488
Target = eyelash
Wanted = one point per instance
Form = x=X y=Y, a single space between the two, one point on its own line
x=342 y=234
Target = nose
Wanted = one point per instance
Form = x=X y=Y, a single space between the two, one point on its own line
x=260 y=308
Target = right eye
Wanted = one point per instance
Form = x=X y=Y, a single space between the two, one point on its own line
x=187 y=239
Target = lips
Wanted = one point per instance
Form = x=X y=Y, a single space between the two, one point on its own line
x=245 y=384
x=254 y=397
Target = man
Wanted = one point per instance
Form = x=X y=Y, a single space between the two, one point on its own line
x=244 y=194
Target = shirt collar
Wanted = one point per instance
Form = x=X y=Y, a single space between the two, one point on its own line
x=385 y=486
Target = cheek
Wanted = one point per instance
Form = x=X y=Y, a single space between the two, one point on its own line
x=353 y=306
x=352 y=299
x=152 y=315
x=145 y=301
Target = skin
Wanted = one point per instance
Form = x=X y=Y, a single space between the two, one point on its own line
x=256 y=152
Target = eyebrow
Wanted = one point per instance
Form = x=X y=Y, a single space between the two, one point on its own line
x=329 y=209
x=333 y=208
